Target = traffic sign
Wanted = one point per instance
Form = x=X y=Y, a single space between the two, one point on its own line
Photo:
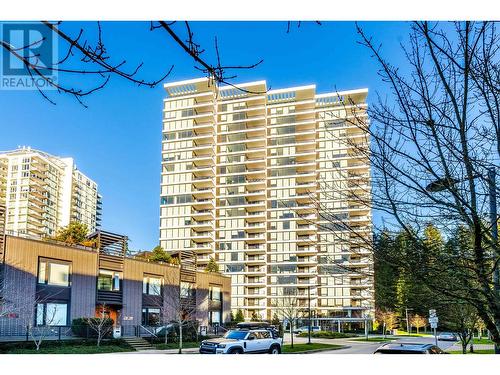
x=433 y=319
x=432 y=312
x=434 y=325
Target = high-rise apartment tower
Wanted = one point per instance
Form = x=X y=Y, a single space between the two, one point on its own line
x=275 y=186
x=42 y=193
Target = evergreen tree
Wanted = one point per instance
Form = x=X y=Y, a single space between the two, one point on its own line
x=74 y=233
x=385 y=272
x=158 y=254
x=212 y=266
x=239 y=316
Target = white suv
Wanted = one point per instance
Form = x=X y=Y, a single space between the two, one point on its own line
x=241 y=341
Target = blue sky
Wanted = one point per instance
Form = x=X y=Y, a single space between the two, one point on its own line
x=117 y=140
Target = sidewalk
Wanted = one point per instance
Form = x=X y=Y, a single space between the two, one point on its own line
x=166 y=351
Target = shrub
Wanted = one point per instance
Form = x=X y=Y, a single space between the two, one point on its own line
x=189 y=331
x=81 y=327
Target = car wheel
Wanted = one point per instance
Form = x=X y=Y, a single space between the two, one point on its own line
x=275 y=349
x=236 y=351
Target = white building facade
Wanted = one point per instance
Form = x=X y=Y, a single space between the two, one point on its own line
x=43 y=193
x=273 y=186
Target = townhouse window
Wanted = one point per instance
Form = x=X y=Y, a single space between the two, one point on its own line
x=187 y=290
x=151 y=285
x=150 y=317
x=215 y=293
x=53 y=272
x=108 y=280
x=214 y=317
x=51 y=314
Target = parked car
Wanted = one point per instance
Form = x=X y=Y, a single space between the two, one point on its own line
x=259 y=325
x=447 y=336
x=408 y=348
x=240 y=341
x=306 y=329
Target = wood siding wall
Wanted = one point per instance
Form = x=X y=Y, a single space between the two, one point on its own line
x=21 y=269
x=134 y=271
x=203 y=282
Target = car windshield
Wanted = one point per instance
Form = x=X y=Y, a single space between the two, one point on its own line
x=235 y=335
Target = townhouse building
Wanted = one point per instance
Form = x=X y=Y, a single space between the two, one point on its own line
x=51 y=283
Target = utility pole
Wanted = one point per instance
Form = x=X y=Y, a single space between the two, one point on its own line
x=494 y=237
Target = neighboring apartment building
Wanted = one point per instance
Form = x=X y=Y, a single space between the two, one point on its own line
x=49 y=280
x=275 y=185
x=43 y=193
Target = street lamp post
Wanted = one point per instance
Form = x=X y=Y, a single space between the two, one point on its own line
x=444 y=183
x=309 y=309
x=407 y=321
x=494 y=237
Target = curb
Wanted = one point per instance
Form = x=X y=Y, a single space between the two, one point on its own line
x=319 y=350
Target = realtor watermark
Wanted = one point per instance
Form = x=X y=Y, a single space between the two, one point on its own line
x=29 y=56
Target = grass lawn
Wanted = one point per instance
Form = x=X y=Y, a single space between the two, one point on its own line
x=174 y=345
x=372 y=339
x=486 y=351
x=72 y=349
x=299 y=348
x=483 y=341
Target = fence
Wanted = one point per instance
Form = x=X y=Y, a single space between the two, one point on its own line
x=24 y=333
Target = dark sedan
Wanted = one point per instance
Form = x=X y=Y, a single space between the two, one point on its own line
x=408 y=348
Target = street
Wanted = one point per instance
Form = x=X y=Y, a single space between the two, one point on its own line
x=360 y=347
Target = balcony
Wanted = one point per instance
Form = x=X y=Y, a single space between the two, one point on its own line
x=362 y=262
x=255 y=281
x=306 y=239
x=202 y=248
x=202 y=225
x=255 y=227
x=306 y=228
x=301 y=209
x=202 y=193
x=255 y=271
x=202 y=215
x=201 y=204
x=255 y=249
x=203 y=258
x=306 y=250
x=255 y=238
x=257 y=259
